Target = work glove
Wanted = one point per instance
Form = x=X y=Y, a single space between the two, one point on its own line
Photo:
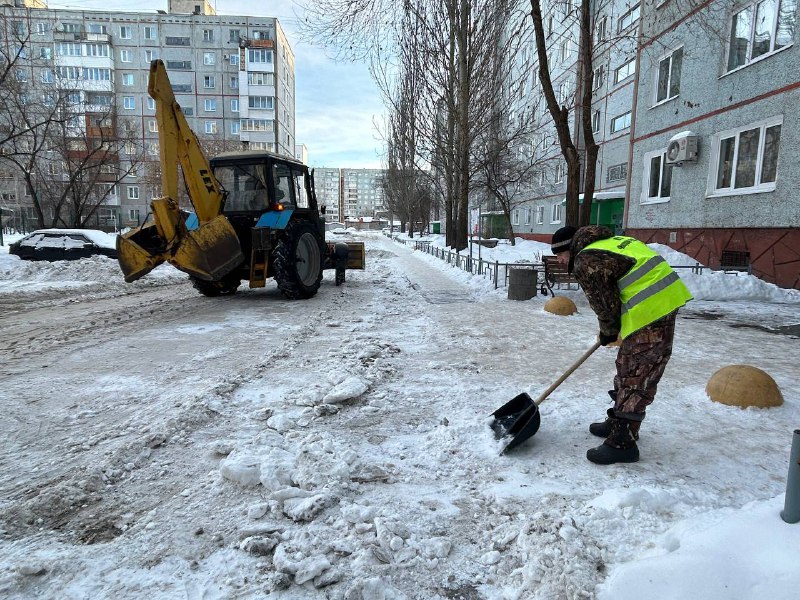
x=605 y=340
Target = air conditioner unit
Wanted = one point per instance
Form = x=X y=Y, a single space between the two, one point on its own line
x=682 y=148
x=226 y=56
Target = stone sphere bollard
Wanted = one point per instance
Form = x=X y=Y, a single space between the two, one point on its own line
x=560 y=305
x=743 y=385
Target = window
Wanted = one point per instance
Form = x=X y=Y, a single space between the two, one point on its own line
x=668 y=85
x=746 y=159
x=209 y=58
x=617 y=172
x=149 y=32
x=47 y=76
x=559 y=175
x=125 y=32
x=127 y=79
x=133 y=214
x=657 y=177
x=96 y=74
x=621 y=122
x=760 y=29
x=527 y=213
x=259 y=55
x=126 y=56
x=260 y=102
x=42 y=28
x=152 y=125
x=96 y=28
x=261 y=34
x=46 y=52
x=235 y=128
x=555 y=213
x=628 y=19
x=210 y=105
x=211 y=127
x=128 y=102
x=234 y=59
x=602 y=29
x=596 y=121
x=133 y=192
x=599 y=77
x=233 y=35
x=151 y=103
x=150 y=55
x=257 y=125
x=69 y=49
x=539 y=215
x=234 y=83
x=563 y=50
x=208 y=35
x=209 y=81
x=624 y=71
x=152 y=148
x=261 y=79
x=515 y=216
x=235 y=105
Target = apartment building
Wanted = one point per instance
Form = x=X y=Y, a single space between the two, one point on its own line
x=233 y=76
x=328 y=184
x=614 y=52
x=350 y=193
x=715 y=163
x=695 y=109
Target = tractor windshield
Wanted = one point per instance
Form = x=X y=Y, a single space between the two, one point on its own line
x=246 y=185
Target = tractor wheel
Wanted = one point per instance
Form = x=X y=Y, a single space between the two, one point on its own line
x=297 y=260
x=224 y=287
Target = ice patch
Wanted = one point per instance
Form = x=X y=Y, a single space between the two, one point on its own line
x=350 y=388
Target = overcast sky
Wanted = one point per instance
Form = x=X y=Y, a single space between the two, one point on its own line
x=337 y=104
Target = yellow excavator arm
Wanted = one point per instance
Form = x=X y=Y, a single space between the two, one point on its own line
x=211 y=250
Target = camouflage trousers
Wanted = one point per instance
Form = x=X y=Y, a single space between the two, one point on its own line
x=641 y=361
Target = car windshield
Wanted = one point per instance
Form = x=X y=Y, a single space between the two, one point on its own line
x=246 y=185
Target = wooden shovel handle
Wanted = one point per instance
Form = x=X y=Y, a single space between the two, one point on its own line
x=567 y=373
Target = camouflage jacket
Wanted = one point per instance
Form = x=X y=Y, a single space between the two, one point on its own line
x=598 y=272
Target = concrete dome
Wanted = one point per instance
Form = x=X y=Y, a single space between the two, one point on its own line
x=560 y=305
x=743 y=385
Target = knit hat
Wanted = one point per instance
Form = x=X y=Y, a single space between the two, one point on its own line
x=562 y=239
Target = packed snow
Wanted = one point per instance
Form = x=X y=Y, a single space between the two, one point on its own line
x=165 y=445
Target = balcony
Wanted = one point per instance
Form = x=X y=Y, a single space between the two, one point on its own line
x=177 y=41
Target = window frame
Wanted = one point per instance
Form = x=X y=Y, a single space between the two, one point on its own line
x=133 y=192
x=129 y=102
x=611 y=128
x=669 y=56
x=749 y=60
x=630 y=71
x=556 y=213
x=714 y=160
x=648 y=157
x=210 y=127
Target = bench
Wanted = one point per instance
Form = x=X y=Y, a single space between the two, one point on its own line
x=555 y=274
x=734 y=260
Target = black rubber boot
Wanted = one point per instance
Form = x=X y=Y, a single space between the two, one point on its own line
x=603 y=428
x=619 y=446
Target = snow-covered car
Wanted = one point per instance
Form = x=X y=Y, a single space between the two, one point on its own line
x=64 y=244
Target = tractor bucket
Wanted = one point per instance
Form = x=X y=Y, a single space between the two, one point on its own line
x=209 y=252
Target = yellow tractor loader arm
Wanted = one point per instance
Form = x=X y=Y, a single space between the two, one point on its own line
x=208 y=252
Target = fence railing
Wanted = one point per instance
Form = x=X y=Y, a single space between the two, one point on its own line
x=493 y=269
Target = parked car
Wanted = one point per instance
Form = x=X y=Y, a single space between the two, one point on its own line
x=64 y=244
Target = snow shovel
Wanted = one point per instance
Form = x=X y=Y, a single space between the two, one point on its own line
x=520 y=418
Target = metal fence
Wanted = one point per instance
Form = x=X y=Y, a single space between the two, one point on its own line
x=495 y=271
x=498 y=272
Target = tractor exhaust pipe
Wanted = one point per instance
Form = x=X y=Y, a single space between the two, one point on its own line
x=791 y=508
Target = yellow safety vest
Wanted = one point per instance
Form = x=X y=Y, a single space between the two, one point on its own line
x=651 y=289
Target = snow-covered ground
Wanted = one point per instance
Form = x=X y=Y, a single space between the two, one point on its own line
x=164 y=445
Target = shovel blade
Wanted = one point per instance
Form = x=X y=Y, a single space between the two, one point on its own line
x=523 y=428
x=507 y=415
x=518 y=418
